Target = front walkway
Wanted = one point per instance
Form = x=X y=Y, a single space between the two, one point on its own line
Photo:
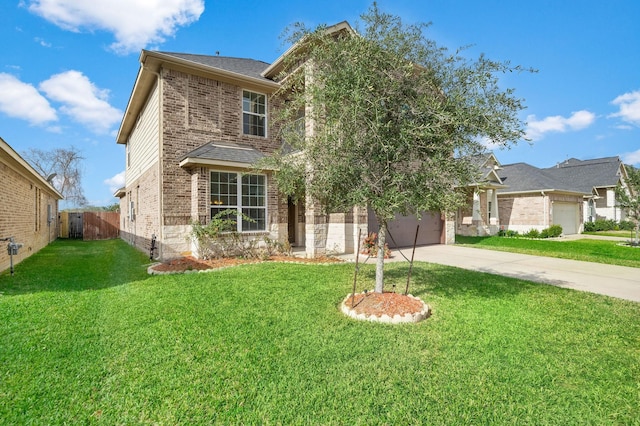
x=611 y=280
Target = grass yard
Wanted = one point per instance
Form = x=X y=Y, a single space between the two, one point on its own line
x=621 y=234
x=599 y=251
x=87 y=337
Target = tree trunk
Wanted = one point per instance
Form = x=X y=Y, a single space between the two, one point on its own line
x=382 y=237
x=637 y=226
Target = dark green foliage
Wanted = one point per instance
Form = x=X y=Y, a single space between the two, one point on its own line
x=629 y=198
x=609 y=225
x=552 y=232
x=391 y=110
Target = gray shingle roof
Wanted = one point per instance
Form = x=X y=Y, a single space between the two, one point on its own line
x=584 y=175
x=225 y=151
x=521 y=177
x=571 y=175
x=248 y=67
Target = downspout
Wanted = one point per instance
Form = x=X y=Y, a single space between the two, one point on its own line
x=545 y=209
x=160 y=246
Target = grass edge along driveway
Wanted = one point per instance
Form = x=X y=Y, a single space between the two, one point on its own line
x=87 y=337
x=587 y=250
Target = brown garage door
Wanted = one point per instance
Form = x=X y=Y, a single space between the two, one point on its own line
x=403 y=229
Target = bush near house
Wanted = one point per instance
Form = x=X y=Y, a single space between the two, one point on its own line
x=608 y=225
x=219 y=239
x=550 y=232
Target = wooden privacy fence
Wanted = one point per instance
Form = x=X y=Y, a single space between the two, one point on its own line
x=89 y=225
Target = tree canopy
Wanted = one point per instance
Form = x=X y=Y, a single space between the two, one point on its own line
x=628 y=197
x=391 y=118
x=62 y=167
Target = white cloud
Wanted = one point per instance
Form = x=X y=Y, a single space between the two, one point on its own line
x=42 y=42
x=22 y=100
x=489 y=144
x=536 y=129
x=629 y=104
x=82 y=100
x=632 y=158
x=134 y=23
x=116 y=182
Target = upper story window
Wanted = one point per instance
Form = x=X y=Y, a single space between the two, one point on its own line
x=254 y=113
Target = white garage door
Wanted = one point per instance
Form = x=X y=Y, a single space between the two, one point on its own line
x=402 y=229
x=566 y=215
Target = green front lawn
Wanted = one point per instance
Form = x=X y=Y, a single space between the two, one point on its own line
x=621 y=234
x=599 y=251
x=87 y=337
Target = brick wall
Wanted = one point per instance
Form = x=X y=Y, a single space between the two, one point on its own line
x=23 y=212
x=527 y=211
x=523 y=212
x=196 y=111
x=143 y=192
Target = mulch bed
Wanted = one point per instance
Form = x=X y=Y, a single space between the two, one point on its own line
x=384 y=303
x=190 y=263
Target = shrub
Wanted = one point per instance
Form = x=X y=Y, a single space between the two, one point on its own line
x=627 y=225
x=608 y=225
x=554 y=231
x=219 y=238
x=532 y=233
x=370 y=246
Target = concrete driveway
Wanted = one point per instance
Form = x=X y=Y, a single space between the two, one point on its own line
x=616 y=281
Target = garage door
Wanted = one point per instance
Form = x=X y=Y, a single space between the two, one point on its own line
x=566 y=215
x=403 y=229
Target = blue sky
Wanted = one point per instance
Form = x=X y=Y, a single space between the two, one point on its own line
x=67 y=67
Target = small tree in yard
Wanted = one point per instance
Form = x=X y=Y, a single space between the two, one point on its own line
x=629 y=198
x=394 y=119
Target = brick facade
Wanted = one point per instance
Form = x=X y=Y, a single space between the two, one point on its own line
x=176 y=109
x=28 y=207
x=523 y=212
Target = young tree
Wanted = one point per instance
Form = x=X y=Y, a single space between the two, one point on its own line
x=62 y=167
x=391 y=119
x=629 y=198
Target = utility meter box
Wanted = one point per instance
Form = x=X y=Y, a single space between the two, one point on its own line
x=12 y=248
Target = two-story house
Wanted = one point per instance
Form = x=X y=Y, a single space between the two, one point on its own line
x=193 y=128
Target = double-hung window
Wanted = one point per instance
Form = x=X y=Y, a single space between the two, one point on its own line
x=254 y=113
x=244 y=193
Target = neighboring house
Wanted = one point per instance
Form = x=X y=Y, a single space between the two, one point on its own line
x=536 y=199
x=28 y=207
x=481 y=214
x=521 y=197
x=599 y=178
x=194 y=126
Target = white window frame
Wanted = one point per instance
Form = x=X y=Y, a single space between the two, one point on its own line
x=239 y=206
x=264 y=116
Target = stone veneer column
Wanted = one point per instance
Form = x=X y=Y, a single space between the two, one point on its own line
x=315 y=230
x=449 y=228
